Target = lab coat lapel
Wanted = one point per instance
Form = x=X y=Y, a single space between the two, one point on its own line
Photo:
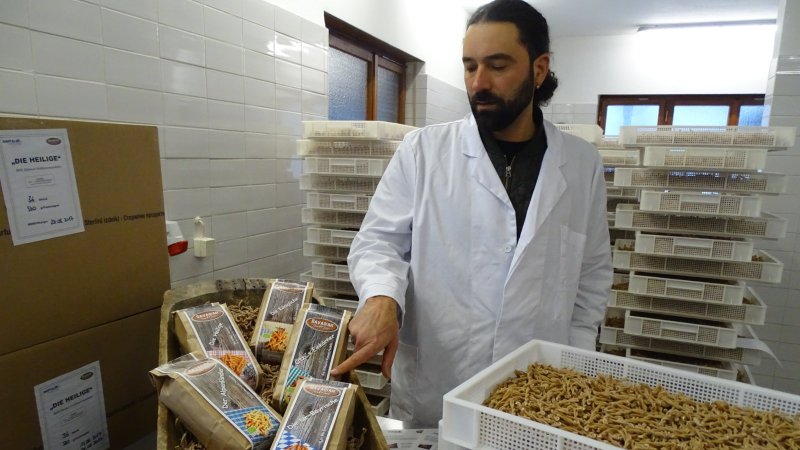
x=482 y=169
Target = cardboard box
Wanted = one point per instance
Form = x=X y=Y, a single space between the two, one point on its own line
x=117 y=267
x=126 y=349
x=133 y=423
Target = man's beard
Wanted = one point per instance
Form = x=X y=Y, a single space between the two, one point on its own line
x=505 y=111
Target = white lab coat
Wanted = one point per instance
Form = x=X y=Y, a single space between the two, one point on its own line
x=440 y=238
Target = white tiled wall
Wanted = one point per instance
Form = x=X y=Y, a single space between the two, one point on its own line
x=227 y=82
x=430 y=100
x=582 y=113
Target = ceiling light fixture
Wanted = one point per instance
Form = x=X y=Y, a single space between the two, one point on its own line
x=662 y=26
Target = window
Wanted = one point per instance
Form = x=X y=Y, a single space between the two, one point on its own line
x=616 y=111
x=366 y=77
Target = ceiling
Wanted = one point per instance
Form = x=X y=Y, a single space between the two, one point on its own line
x=606 y=17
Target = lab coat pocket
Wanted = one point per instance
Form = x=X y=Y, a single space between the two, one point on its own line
x=571 y=258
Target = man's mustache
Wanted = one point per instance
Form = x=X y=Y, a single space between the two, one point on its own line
x=485 y=97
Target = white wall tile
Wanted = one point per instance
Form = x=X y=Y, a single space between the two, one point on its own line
x=314 y=34
x=260 y=196
x=54 y=55
x=222 y=26
x=260 y=171
x=228 y=199
x=259 y=145
x=258 y=65
x=182 y=46
x=132 y=70
x=288 y=217
x=786 y=105
x=257 y=119
x=263 y=267
x=227 y=273
x=261 y=221
x=289 y=123
x=225 y=86
x=185 y=111
x=230 y=253
x=228 y=172
x=225 y=144
x=186 y=173
x=262 y=245
x=232 y=7
x=186 y=269
x=224 y=57
x=313 y=80
x=62 y=97
x=146 y=9
x=260 y=12
x=187 y=203
x=15 y=48
x=287 y=73
x=18 y=95
x=315 y=57
x=184 y=142
x=288 y=194
x=286 y=147
x=288 y=48
x=258 y=38
x=84 y=19
x=184 y=14
x=790 y=334
x=259 y=93
x=135 y=105
x=225 y=115
x=180 y=78
x=287 y=99
x=785 y=84
x=230 y=226
x=315 y=104
x=15 y=12
x=130 y=33
x=288 y=170
x=290 y=240
x=288 y=23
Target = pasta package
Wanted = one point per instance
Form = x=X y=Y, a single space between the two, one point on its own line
x=215 y=404
x=210 y=330
x=318 y=344
x=276 y=318
x=318 y=416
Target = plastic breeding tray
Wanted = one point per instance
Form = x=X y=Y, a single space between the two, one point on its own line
x=371 y=377
x=327 y=217
x=340 y=303
x=359 y=129
x=334 y=252
x=338 y=183
x=379 y=405
x=345 y=166
x=693 y=331
x=706 y=157
x=467 y=423
x=327 y=285
x=326 y=236
x=330 y=271
x=763 y=268
x=701 y=180
x=612 y=202
x=766 y=137
x=617 y=158
x=608 y=173
x=339 y=202
x=609 y=143
x=718 y=369
x=752 y=311
x=726 y=292
x=622 y=192
x=375 y=149
x=767 y=226
x=701 y=204
x=708 y=248
x=588 y=132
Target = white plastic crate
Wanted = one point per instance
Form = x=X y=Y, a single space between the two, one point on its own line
x=617 y=158
x=328 y=285
x=706 y=157
x=709 y=248
x=693 y=331
x=742 y=355
x=338 y=183
x=752 y=311
x=588 y=132
x=608 y=174
x=622 y=192
x=469 y=424
x=327 y=236
x=718 y=369
x=766 y=137
x=725 y=292
x=371 y=377
x=325 y=217
x=609 y=143
x=701 y=204
x=701 y=180
x=767 y=226
x=375 y=149
x=386 y=391
x=340 y=202
x=762 y=268
x=358 y=129
x=340 y=303
x=333 y=252
x=345 y=166
x=612 y=202
x=330 y=271
x=379 y=405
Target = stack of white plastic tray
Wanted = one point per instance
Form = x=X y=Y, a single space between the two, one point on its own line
x=588 y=132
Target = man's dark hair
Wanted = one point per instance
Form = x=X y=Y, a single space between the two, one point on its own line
x=533 y=34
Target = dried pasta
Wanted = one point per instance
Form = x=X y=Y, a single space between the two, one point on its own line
x=638 y=416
